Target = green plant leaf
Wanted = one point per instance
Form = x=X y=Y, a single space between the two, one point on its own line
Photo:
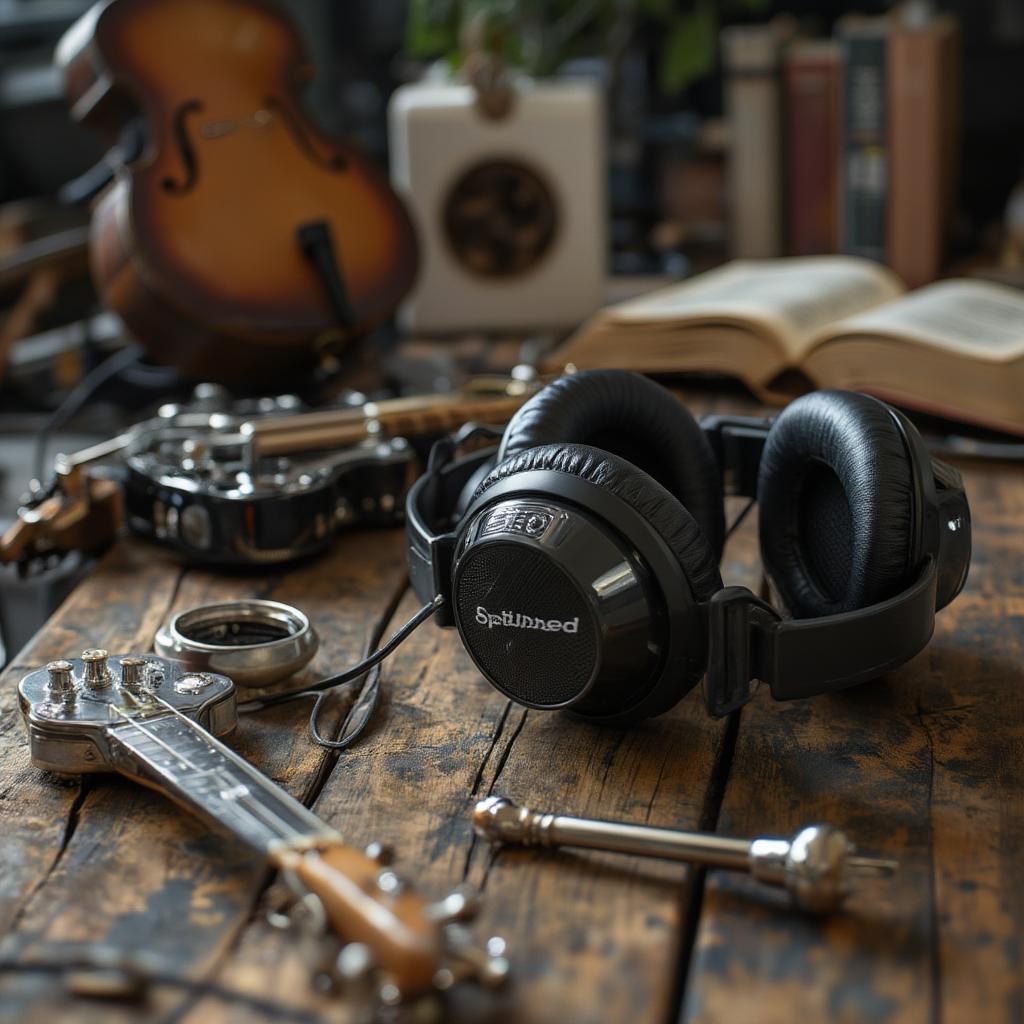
x=432 y=27
x=690 y=49
x=657 y=10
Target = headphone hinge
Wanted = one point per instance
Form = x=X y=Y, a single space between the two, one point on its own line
x=737 y=442
x=741 y=648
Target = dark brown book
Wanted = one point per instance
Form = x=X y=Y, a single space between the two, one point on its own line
x=813 y=101
x=865 y=161
x=924 y=104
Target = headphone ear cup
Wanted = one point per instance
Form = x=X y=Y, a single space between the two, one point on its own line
x=697 y=579
x=673 y=523
x=837 y=510
x=637 y=420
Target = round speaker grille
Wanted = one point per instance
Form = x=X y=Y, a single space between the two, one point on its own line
x=528 y=628
x=500 y=218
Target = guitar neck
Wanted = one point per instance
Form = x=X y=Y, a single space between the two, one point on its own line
x=172 y=754
x=134 y=715
x=411 y=417
x=188 y=764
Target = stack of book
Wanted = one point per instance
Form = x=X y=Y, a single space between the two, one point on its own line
x=845 y=145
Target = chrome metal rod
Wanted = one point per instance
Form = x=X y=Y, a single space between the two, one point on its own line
x=645 y=841
x=816 y=865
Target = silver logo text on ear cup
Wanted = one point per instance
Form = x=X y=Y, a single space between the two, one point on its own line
x=528 y=519
x=516 y=620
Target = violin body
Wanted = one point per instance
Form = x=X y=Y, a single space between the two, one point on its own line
x=198 y=242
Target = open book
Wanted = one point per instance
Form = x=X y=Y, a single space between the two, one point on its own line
x=953 y=349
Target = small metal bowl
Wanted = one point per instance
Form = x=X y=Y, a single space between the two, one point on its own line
x=255 y=643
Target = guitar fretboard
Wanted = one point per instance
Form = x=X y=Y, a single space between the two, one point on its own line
x=196 y=769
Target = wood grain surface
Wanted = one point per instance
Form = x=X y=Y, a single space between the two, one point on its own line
x=926 y=764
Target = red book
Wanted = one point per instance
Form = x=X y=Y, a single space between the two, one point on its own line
x=813 y=104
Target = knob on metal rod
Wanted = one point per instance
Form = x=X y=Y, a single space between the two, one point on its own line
x=61 y=683
x=97 y=672
x=133 y=674
x=816 y=865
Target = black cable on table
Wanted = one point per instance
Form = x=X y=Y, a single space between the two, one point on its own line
x=362 y=711
x=76 y=399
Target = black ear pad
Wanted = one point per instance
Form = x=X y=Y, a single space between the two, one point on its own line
x=837 y=508
x=632 y=417
x=673 y=523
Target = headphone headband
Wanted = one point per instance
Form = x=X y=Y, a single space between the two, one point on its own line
x=749 y=642
x=737 y=442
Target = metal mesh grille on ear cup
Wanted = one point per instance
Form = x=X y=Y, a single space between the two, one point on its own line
x=526 y=625
x=826 y=531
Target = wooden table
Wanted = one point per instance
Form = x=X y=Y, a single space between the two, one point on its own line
x=926 y=765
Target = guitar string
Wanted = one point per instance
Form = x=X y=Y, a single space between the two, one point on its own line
x=246 y=799
x=257 y=810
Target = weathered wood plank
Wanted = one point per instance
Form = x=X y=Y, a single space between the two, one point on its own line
x=591 y=937
x=127 y=869
x=441 y=738
x=926 y=765
x=138 y=587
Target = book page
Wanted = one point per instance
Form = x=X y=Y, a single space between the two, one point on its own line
x=973 y=318
x=790 y=298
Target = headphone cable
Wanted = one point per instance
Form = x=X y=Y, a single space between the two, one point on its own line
x=738 y=521
x=371 y=661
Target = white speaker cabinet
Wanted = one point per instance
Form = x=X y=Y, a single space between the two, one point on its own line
x=511 y=213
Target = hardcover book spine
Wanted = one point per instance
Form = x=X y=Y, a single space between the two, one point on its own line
x=923 y=95
x=813 y=107
x=751 y=60
x=865 y=156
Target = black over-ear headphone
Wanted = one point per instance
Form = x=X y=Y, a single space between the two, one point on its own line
x=580 y=562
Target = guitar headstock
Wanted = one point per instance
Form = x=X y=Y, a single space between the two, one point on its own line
x=140 y=715
x=69 y=705
x=81 y=513
x=395 y=942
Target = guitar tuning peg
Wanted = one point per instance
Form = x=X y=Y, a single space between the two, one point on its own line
x=383 y=854
x=388 y=991
x=488 y=965
x=354 y=975
x=444 y=979
x=278 y=901
x=355 y=962
x=308 y=916
x=390 y=884
x=498 y=966
x=461 y=904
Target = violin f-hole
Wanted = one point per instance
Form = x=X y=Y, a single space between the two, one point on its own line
x=188 y=155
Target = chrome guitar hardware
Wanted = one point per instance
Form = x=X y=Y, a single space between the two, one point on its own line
x=816 y=866
x=157 y=722
x=255 y=643
x=249 y=482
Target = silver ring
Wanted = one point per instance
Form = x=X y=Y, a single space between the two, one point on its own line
x=255 y=643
